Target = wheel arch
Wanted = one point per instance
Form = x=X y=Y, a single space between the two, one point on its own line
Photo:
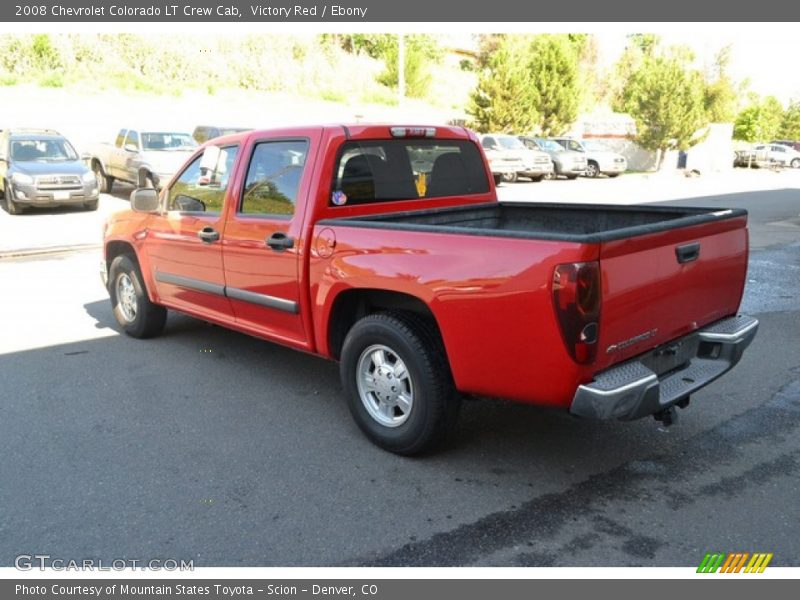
x=352 y=304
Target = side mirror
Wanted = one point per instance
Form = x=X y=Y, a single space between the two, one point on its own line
x=144 y=200
x=131 y=148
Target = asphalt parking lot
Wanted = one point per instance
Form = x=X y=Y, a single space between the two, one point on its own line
x=206 y=444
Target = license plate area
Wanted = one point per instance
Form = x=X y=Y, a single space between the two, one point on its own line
x=60 y=195
x=672 y=356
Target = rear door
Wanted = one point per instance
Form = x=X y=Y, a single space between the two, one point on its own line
x=664 y=285
x=263 y=248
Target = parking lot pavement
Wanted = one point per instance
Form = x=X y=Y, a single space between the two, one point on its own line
x=209 y=445
x=53 y=229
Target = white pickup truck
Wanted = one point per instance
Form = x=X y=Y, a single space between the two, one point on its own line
x=143 y=158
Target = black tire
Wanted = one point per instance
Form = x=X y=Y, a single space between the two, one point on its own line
x=12 y=207
x=571 y=177
x=592 y=169
x=795 y=164
x=612 y=175
x=104 y=182
x=148 y=319
x=498 y=179
x=91 y=205
x=510 y=177
x=414 y=341
x=537 y=178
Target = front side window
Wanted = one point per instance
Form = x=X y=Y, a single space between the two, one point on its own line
x=133 y=138
x=198 y=191
x=386 y=170
x=273 y=178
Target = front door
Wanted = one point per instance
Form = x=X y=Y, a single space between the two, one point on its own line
x=185 y=242
x=263 y=246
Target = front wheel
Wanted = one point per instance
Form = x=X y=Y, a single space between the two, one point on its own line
x=592 y=170
x=134 y=311
x=570 y=177
x=398 y=383
x=91 y=205
x=510 y=177
x=796 y=163
x=12 y=207
x=104 y=183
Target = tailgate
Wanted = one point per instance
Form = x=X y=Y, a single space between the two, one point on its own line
x=660 y=286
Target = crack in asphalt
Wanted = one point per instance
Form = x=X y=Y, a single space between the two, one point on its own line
x=546 y=516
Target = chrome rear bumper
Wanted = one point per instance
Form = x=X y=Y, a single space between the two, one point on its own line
x=632 y=390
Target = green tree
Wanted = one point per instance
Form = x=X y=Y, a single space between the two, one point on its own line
x=555 y=78
x=722 y=94
x=790 y=128
x=504 y=100
x=760 y=121
x=667 y=102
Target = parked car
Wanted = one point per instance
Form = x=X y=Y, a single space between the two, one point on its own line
x=331 y=246
x=203 y=133
x=146 y=158
x=39 y=167
x=568 y=163
x=536 y=165
x=600 y=160
x=794 y=144
x=505 y=163
x=768 y=155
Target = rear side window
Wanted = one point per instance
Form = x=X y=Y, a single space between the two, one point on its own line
x=273 y=178
x=386 y=170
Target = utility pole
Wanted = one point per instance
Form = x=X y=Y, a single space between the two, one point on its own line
x=401 y=68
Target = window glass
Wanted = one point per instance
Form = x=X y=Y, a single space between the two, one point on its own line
x=488 y=142
x=380 y=171
x=121 y=137
x=133 y=138
x=167 y=140
x=199 y=191
x=273 y=178
x=42 y=149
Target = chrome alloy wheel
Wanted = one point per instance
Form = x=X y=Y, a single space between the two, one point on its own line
x=126 y=297
x=384 y=386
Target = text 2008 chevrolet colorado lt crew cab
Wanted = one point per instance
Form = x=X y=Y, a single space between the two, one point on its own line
x=385 y=248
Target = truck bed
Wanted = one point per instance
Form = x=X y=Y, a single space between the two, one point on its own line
x=567 y=222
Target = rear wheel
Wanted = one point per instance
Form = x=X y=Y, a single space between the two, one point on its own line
x=796 y=163
x=398 y=383
x=571 y=176
x=132 y=308
x=104 y=183
x=91 y=205
x=612 y=175
x=497 y=178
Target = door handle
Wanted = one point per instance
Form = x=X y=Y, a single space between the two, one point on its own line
x=279 y=241
x=687 y=252
x=208 y=235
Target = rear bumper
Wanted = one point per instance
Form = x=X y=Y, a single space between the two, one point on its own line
x=632 y=390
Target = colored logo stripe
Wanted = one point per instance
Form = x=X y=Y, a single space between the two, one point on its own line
x=734 y=562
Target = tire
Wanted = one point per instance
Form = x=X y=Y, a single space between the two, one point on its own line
x=612 y=175
x=12 y=207
x=91 y=205
x=104 y=182
x=571 y=177
x=137 y=316
x=537 y=178
x=498 y=179
x=510 y=177
x=422 y=410
x=795 y=163
x=592 y=169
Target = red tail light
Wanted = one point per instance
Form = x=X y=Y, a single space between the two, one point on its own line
x=576 y=297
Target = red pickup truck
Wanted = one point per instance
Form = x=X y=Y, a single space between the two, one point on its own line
x=386 y=249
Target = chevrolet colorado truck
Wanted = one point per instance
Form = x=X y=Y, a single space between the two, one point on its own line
x=385 y=248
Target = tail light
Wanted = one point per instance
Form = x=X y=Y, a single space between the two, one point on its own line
x=576 y=298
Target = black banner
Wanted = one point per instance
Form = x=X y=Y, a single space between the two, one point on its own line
x=382 y=11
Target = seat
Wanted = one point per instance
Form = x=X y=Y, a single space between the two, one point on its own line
x=448 y=176
x=358 y=183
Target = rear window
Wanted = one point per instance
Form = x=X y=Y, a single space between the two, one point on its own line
x=386 y=170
